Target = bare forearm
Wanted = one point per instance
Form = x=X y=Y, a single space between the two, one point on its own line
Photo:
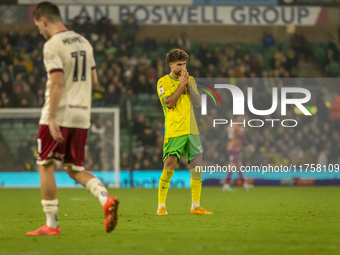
x=56 y=91
x=195 y=98
x=173 y=98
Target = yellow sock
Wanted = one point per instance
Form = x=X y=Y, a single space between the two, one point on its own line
x=164 y=183
x=196 y=187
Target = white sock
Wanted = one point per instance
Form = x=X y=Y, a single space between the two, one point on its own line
x=97 y=189
x=194 y=205
x=102 y=198
x=160 y=205
x=50 y=208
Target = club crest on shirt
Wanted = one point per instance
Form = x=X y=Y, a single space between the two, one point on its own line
x=48 y=57
x=160 y=89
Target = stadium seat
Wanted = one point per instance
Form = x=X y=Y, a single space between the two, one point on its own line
x=284 y=46
x=195 y=46
x=332 y=69
x=319 y=54
x=138 y=50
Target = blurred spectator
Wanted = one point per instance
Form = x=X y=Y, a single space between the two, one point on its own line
x=102 y=26
x=332 y=45
x=97 y=128
x=100 y=46
x=239 y=51
x=111 y=29
x=311 y=155
x=7 y=84
x=139 y=124
x=20 y=67
x=111 y=96
x=28 y=63
x=130 y=29
x=138 y=160
x=109 y=149
x=25 y=156
x=96 y=150
x=38 y=64
x=299 y=45
x=323 y=156
x=88 y=161
x=155 y=163
x=98 y=93
x=268 y=40
x=184 y=42
x=142 y=85
x=28 y=99
x=329 y=58
x=4 y=100
x=76 y=25
x=12 y=38
x=202 y=53
x=31 y=81
x=35 y=38
x=4 y=57
x=146 y=164
x=87 y=28
x=124 y=52
x=147 y=137
x=149 y=43
x=115 y=40
x=172 y=41
x=23 y=44
x=291 y=60
x=40 y=97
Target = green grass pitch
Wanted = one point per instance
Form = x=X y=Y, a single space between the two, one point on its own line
x=265 y=220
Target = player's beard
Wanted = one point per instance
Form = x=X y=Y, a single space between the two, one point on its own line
x=178 y=73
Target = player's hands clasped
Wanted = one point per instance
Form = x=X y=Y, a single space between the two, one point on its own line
x=55 y=131
x=184 y=77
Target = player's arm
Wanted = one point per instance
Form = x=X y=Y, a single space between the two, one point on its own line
x=195 y=96
x=54 y=66
x=171 y=100
x=56 y=91
x=94 y=77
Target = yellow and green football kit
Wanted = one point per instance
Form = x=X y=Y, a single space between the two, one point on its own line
x=181 y=137
x=181 y=134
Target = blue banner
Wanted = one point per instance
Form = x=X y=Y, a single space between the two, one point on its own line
x=181 y=179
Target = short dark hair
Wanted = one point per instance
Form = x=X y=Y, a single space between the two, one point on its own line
x=48 y=10
x=176 y=55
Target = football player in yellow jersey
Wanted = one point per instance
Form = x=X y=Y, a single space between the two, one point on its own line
x=177 y=92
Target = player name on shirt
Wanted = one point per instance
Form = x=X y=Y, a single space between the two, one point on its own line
x=72 y=40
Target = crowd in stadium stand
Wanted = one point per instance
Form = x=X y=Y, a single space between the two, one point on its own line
x=124 y=72
x=127 y=69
